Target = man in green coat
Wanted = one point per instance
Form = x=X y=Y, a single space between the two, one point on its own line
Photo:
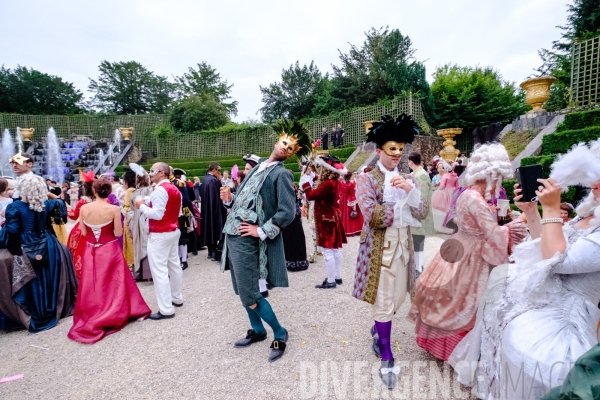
x=415 y=163
x=264 y=204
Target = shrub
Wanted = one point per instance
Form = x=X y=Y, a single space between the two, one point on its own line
x=580 y=120
x=561 y=142
x=544 y=161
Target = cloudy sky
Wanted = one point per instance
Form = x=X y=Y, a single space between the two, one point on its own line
x=250 y=42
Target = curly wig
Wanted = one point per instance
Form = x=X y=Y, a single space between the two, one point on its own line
x=33 y=190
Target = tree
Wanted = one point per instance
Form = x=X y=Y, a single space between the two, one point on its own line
x=28 y=91
x=206 y=81
x=197 y=113
x=129 y=88
x=383 y=68
x=466 y=97
x=295 y=96
x=583 y=22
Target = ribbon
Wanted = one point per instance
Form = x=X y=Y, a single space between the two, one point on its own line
x=395 y=370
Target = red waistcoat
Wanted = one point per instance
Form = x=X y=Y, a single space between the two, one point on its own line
x=169 y=221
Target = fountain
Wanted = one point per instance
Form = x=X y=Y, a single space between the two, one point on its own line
x=118 y=139
x=54 y=158
x=110 y=153
x=8 y=150
x=19 y=139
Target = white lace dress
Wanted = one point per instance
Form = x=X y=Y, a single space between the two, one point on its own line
x=535 y=319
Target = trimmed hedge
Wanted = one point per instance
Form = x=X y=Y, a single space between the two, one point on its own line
x=580 y=120
x=509 y=186
x=544 y=161
x=561 y=142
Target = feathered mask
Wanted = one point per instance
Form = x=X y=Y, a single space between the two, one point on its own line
x=400 y=130
x=580 y=166
x=295 y=132
x=138 y=169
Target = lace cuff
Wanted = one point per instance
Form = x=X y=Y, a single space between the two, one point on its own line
x=270 y=229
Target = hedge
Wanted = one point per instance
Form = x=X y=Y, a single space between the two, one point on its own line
x=544 y=161
x=561 y=142
x=580 y=120
x=509 y=186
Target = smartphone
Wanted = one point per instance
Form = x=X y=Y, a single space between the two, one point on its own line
x=527 y=177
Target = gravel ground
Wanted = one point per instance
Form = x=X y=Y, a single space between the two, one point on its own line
x=329 y=352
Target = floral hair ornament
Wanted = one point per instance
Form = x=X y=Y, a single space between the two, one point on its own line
x=234 y=172
x=331 y=163
x=88 y=176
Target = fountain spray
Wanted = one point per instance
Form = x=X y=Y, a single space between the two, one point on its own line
x=117 y=139
x=54 y=161
x=19 y=139
x=8 y=150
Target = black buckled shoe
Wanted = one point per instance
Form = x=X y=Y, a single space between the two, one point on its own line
x=338 y=281
x=389 y=374
x=326 y=285
x=278 y=347
x=157 y=315
x=177 y=305
x=251 y=337
x=265 y=294
x=184 y=265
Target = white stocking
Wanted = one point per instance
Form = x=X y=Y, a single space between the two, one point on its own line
x=419 y=261
x=329 y=263
x=337 y=256
x=183 y=252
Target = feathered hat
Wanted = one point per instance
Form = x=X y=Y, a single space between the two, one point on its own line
x=252 y=159
x=331 y=163
x=87 y=176
x=579 y=166
x=138 y=169
x=489 y=135
x=402 y=130
x=297 y=132
x=178 y=172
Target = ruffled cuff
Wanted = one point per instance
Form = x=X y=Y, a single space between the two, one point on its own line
x=270 y=229
x=517 y=232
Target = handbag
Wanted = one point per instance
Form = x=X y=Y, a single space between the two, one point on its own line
x=354 y=214
x=37 y=250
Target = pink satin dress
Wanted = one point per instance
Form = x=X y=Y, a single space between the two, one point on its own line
x=108 y=297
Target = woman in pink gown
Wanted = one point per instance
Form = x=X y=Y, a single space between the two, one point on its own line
x=442 y=197
x=352 y=226
x=76 y=240
x=108 y=297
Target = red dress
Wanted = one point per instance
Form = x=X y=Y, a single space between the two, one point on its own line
x=108 y=297
x=328 y=218
x=352 y=226
x=74 y=243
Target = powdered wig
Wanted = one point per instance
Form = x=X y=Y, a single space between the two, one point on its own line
x=588 y=207
x=34 y=191
x=489 y=162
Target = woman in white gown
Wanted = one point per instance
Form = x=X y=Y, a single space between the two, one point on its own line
x=540 y=314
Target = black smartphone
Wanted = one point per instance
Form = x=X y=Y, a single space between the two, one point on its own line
x=527 y=177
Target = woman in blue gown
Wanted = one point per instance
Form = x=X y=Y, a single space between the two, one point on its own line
x=45 y=291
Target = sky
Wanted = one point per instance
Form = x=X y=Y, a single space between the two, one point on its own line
x=251 y=42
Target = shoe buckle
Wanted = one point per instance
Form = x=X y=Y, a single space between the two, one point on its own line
x=276 y=345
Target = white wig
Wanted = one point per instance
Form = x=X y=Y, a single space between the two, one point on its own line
x=33 y=190
x=489 y=163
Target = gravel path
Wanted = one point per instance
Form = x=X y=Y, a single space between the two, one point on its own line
x=329 y=353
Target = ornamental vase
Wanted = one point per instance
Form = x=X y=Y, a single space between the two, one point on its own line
x=449 y=152
x=27 y=134
x=537 y=92
x=126 y=132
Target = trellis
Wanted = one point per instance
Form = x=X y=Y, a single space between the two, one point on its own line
x=585 y=72
x=258 y=140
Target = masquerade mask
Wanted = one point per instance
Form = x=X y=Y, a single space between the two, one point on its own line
x=392 y=148
x=153 y=171
x=289 y=143
x=19 y=159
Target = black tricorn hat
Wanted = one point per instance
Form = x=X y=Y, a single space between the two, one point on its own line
x=402 y=130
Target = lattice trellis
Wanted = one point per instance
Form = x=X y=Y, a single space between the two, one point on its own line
x=585 y=72
x=258 y=140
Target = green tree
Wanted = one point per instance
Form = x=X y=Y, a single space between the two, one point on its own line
x=383 y=68
x=583 y=22
x=28 y=91
x=466 y=97
x=129 y=88
x=197 y=113
x=206 y=80
x=295 y=96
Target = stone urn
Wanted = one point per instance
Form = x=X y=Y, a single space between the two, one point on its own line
x=537 y=92
x=449 y=153
x=27 y=134
x=126 y=132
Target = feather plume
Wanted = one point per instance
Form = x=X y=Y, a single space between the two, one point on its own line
x=491 y=134
x=138 y=169
x=295 y=128
x=580 y=166
x=234 y=172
